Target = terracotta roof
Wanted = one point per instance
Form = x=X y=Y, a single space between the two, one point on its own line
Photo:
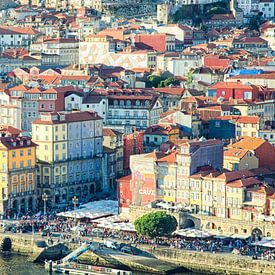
x=171 y=91
x=231 y=85
x=235 y=175
x=249 y=143
x=19 y=88
x=110 y=132
x=171 y=158
x=235 y=153
x=72 y=117
x=241 y=119
x=155 y=155
x=9 y=130
x=244 y=182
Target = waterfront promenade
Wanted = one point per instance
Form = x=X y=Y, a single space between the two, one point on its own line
x=194 y=260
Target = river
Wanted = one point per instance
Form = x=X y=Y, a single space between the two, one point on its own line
x=11 y=264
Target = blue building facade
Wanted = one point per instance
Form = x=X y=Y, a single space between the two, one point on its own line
x=222 y=129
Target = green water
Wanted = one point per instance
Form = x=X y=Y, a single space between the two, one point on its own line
x=11 y=264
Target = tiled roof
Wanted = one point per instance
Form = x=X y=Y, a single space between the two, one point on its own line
x=110 y=132
x=171 y=158
x=231 y=85
x=241 y=119
x=18 y=142
x=171 y=91
x=244 y=182
x=9 y=130
x=235 y=175
x=249 y=143
x=72 y=117
x=235 y=153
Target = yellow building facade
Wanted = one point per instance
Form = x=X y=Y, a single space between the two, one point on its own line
x=239 y=159
x=18 y=175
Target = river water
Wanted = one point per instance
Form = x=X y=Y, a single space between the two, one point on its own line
x=11 y=264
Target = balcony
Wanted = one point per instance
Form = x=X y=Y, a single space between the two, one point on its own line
x=127 y=117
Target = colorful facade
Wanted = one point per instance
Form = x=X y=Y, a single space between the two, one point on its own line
x=69 y=155
x=18 y=175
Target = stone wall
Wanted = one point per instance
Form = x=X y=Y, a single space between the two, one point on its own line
x=213 y=263
x=210 y=223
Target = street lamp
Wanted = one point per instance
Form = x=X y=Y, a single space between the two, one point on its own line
x=75 y=202
x=45 y=198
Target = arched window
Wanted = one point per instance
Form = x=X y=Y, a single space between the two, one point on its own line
x=128 y=102
x=137 y=103
x=121 y=102
x=115 y=102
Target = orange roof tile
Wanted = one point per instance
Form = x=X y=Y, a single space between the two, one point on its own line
x=249 y=143
x=171 y=158
x=235 y=152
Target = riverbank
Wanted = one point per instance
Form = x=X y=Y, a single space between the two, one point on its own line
x=207 y=263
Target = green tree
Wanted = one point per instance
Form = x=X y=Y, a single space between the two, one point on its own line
x=153 y=81
x=168 y=81
x=256 y=21
x=156 y=224
x=189 y=77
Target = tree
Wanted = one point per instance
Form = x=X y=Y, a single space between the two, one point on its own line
x=156 y=224
x=169 y=81
x=256 y=21
x=153 y=81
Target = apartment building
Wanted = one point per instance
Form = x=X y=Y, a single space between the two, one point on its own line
x=131 y=109
x=69 y=155
x=60 y=51
x=18 y=192
x=113 y=139
x=180 y=177
x=151 y=179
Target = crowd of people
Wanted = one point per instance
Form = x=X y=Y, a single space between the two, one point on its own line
x=57 y=229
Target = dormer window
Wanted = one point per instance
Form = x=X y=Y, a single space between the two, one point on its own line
x=21 y=142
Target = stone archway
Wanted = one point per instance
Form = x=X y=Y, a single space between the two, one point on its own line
x=92 y=189
x=15 y=206
x=57 y=197
x=71 y=193
x=211 y=225
x=256 y=234
x=85 y=191
x=64 y=195
x=30 y=204
x=22 y=206
x=6 y=244
x=188 y=223
x=78 y=192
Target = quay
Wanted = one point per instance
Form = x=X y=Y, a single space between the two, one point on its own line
x=162 y=260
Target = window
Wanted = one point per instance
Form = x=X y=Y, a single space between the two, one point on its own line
x=29 y=163
x=21 y=153
x=21 y=164
x=13 y=154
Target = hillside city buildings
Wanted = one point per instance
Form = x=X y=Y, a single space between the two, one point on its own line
x=149 y=102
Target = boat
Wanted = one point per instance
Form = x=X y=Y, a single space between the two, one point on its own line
x=82 y=269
